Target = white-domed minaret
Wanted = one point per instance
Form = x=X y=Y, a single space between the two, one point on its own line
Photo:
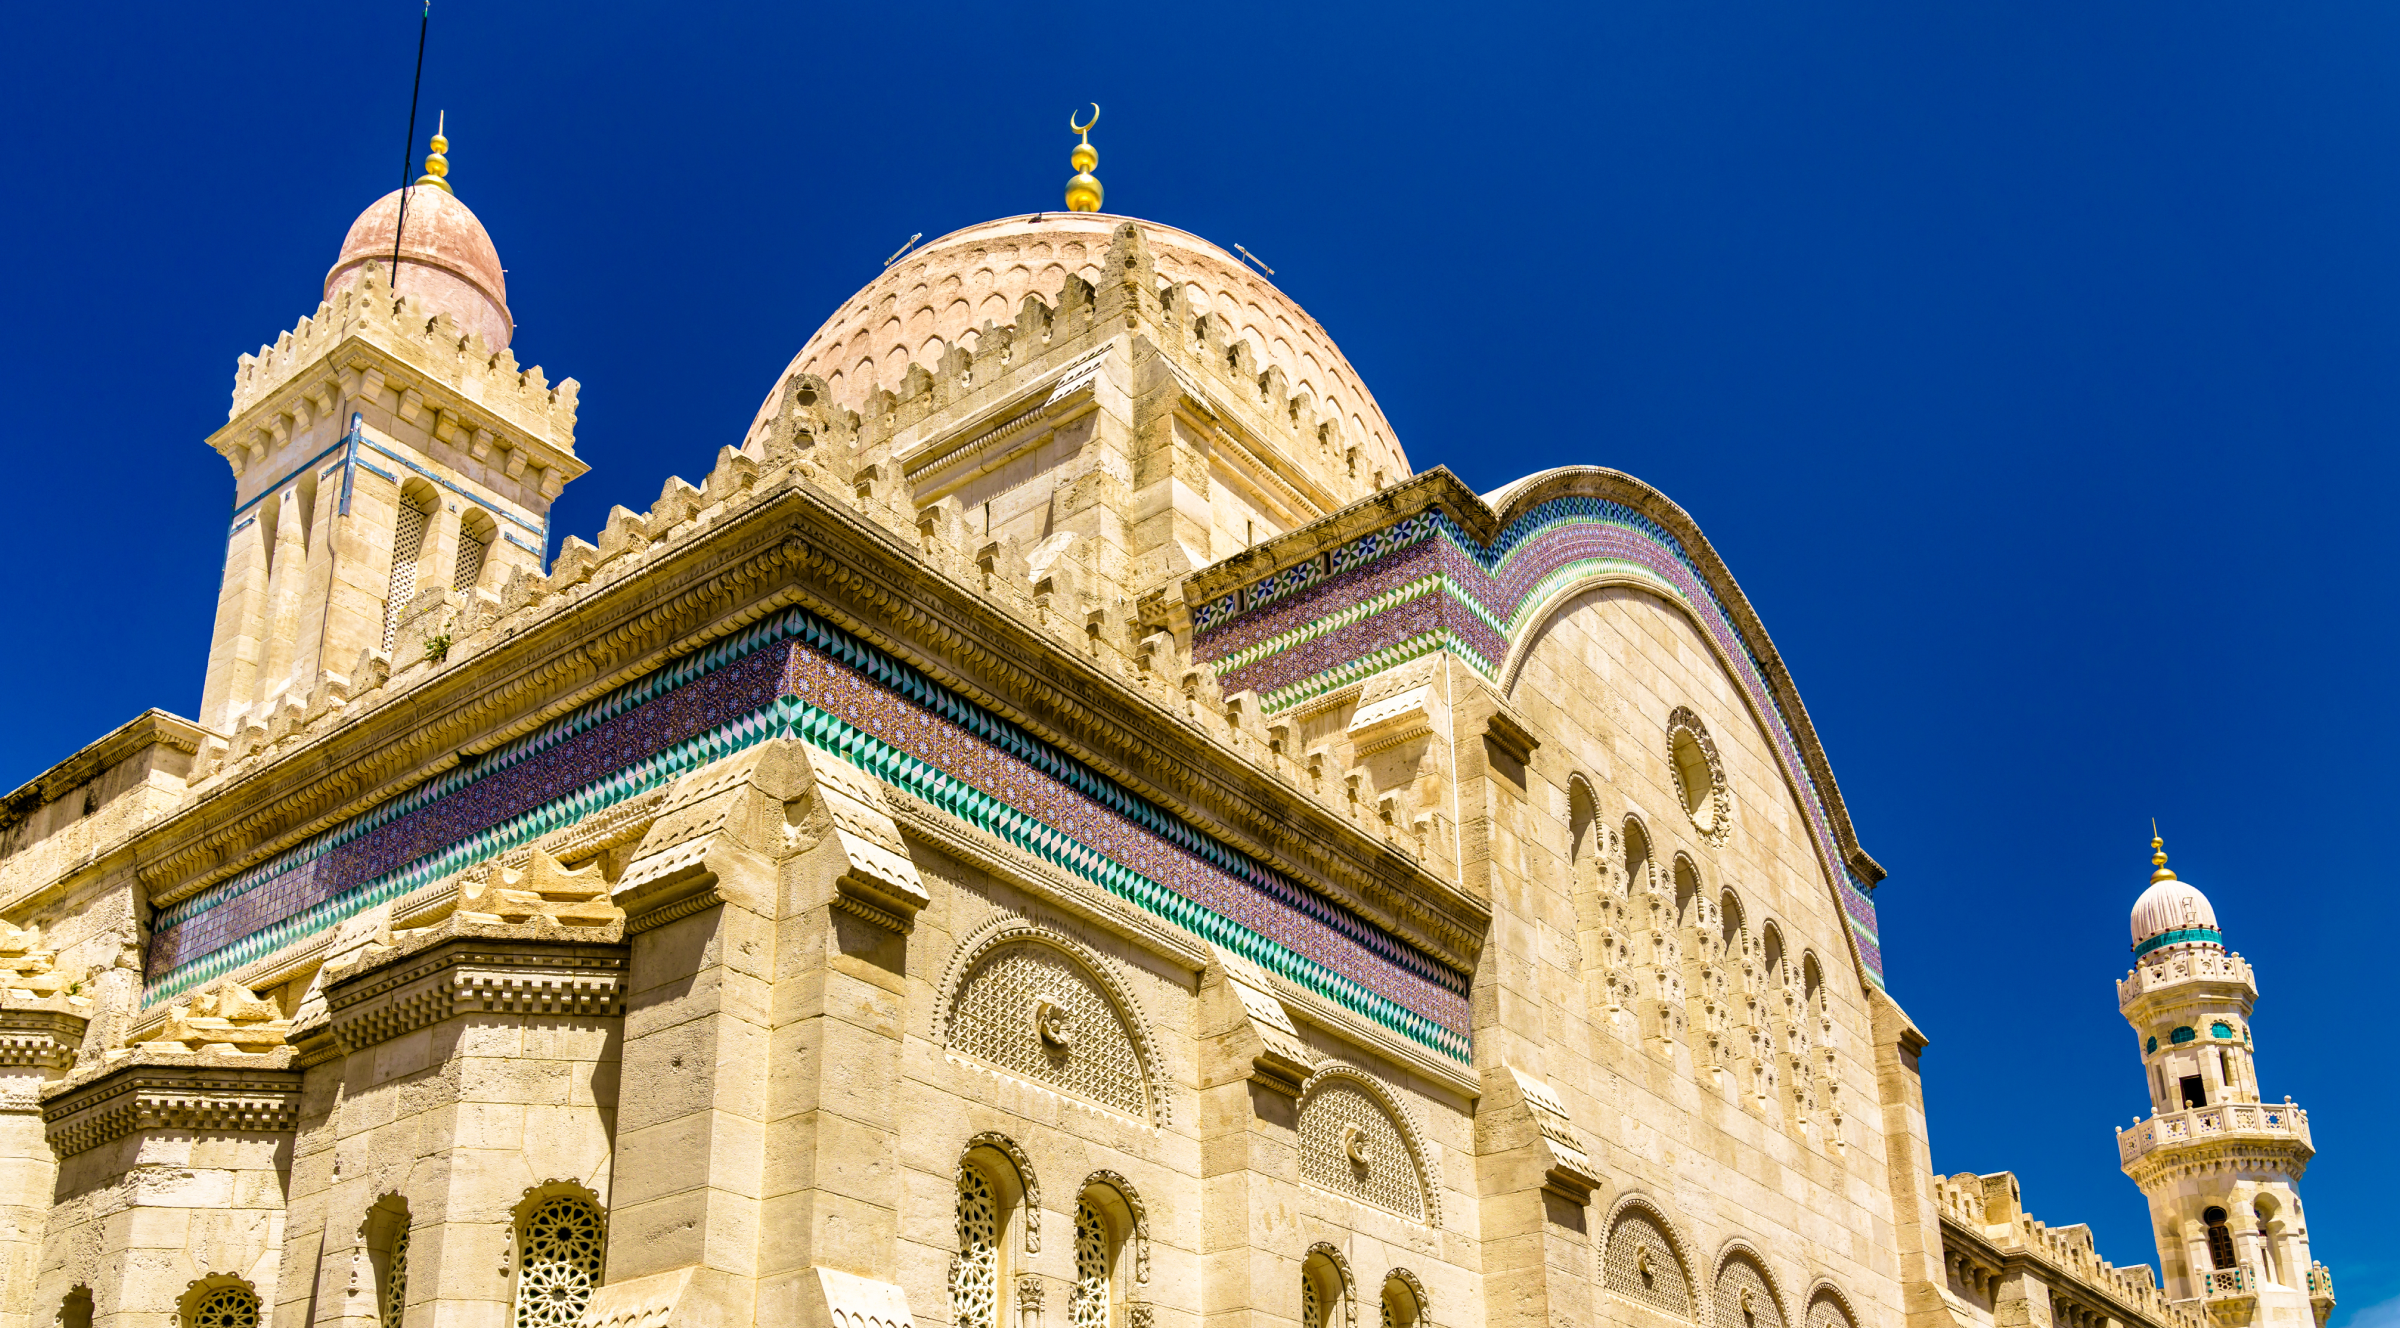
x=2220 y=1167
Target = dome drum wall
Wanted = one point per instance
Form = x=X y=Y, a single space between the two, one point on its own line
x=1112 y=439
x=945 y=294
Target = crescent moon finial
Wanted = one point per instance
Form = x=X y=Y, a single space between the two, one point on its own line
x=1086 y=127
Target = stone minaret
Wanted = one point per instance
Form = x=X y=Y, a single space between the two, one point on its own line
x=393 y=468
x=2220 y=1167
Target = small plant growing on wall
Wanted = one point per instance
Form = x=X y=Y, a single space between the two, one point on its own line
x=437 y=648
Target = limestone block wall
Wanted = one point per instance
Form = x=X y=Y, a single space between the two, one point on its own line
x=468 y=1074
x=171 y=1179
x=1651 y=956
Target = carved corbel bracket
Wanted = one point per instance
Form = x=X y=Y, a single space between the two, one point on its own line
x=1278 y=1057
x=1571 y=1175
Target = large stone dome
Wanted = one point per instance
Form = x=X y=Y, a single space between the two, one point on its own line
x=447 y=262
x=941 y=293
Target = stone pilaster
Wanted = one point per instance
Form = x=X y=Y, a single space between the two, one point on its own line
x=1252 y=1063
x=37 y=1044
x=771 y=902
x=1909 y=1165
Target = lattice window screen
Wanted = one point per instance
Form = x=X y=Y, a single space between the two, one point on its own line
x=1381 y=1173
x=395 y=1280
x=975 y=1286
x=1312 y=1303
x=225 y=1307
x=1742 y=1300
x=559 y=1265
x=470 y=561
x=1827 y=1313
x=1089 y=1306
x=1641 y=1265
x=1093 y=1056
x=408 y=542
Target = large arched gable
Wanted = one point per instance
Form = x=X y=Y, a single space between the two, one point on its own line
x=1428 y=566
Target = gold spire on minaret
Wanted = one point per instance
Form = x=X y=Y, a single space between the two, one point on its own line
x=437 y=166
x=2158 y=856
x=1083 y=191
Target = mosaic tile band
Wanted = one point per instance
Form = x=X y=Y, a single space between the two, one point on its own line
x=795 y=674
x=1423 y=584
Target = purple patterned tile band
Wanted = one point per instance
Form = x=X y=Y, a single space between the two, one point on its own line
x=796 y=674
x=1423 y=584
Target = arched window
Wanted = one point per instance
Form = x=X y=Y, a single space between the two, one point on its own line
x=76 y=1310
x=975 y=1288
x=1324 y=1291
x=409 y=521
x=1687 y=890
x=1107 y=1220
x=476 y=531
x=2220 y=1238
x=1401 y=1307
x=223 y=1306
x=991 y=1196
x=1774 y=946
x=562 y=1242
x=1095 y=1280
x=1731 y=906
x=1637 y=856
x=1812 y=979
x=2265 y=1209
x=385 y=1234
x=1583 y=819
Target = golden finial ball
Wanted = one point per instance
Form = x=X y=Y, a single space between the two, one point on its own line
x=1083 y=193
x=1084 y=158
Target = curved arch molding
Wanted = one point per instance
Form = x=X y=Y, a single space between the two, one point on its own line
x=1428 y=566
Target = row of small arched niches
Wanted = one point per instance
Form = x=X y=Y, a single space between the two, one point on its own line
x=1634 y=847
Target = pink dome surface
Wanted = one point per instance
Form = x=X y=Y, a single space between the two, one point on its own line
x=944 y=292
x=447 y=261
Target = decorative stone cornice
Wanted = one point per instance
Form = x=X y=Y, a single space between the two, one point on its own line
x=151 y=728
x=194 y=1091
x=785 y=542
x=39 y=1036
x=466 y=967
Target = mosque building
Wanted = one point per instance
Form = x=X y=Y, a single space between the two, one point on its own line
x=1062 y=827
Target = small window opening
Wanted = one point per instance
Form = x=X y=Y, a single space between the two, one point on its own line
x=76 y=1311
x=2194 y=1093
x=2220 y=1238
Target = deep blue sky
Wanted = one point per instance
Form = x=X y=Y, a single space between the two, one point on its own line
x=2032 y=365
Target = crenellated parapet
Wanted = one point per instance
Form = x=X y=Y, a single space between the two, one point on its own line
x=362 y=344
x=1991 y=1247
